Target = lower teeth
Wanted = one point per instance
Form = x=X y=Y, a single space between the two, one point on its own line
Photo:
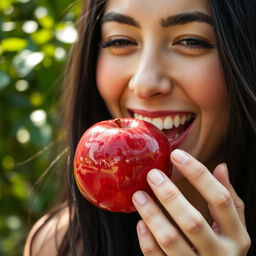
x=174 y=138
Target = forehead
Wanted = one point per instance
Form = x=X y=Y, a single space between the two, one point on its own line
x=151 y=9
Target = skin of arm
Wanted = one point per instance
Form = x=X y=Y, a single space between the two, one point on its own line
x=47 y=239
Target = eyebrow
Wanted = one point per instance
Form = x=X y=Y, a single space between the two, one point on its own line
x=184 y=18
x=120 y=18
x=179 y=19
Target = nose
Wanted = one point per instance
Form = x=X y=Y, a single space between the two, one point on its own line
x=150 y=78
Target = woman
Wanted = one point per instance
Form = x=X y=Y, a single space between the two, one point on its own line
x=158 y=60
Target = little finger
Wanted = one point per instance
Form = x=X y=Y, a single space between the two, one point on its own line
x=221 y=174
x=148 y=244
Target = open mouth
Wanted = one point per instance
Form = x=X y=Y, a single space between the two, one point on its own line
x=175 y=125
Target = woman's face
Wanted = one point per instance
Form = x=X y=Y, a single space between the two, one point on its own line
x=158 y=61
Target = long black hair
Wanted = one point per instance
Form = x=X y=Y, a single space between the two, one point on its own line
x=234 y=23
x=112 y=234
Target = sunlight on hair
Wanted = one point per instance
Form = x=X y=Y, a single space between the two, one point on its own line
x=39 y=153
x=23 y=135
x=44 y=174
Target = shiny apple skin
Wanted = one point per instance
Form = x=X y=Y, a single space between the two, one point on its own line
x=112 y=162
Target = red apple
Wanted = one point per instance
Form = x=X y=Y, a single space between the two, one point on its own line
x=113 y=158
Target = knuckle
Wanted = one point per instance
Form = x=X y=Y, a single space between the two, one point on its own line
x=148 y=249
x=199 y=172
x=169 y=195
x=239 y=205
x=151 y=213
x=222 y=200
x=168 y=240
x=195 y=225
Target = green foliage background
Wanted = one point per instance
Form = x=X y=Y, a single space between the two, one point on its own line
x=35 y=37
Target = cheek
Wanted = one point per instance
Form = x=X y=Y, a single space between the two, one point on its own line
x=203 y=83
x=110 y=79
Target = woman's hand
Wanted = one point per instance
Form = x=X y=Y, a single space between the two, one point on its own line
x=158 y=236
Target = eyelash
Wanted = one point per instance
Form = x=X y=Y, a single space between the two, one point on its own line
x=196 y=43
x=189 y=43
x=117 y=43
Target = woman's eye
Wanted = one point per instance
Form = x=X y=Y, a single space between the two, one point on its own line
x=117 y=43
x=194 y=43
x=119 y=46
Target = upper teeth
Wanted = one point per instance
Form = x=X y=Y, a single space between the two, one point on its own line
x=166 y=122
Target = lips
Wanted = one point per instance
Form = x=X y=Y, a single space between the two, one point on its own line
x=174 y=124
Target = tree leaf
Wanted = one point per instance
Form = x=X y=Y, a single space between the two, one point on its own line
x=13 y=44
x=42 y=36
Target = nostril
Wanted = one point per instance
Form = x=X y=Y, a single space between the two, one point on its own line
x=157 y=94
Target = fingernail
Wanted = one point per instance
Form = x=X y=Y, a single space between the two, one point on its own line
x=179 y=156
x=140 y=197
x=155 y=177
x=225 y=165
x=226 y=169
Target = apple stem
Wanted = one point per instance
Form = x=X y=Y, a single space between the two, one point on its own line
x=118 y=122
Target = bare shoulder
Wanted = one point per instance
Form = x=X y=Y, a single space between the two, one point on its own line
x=47 y=234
